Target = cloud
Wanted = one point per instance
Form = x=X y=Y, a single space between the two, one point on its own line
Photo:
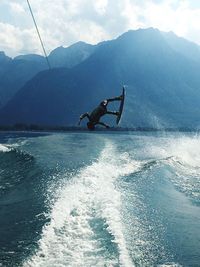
x=17 y=41
x=101 y=6
x=64 y=22
x=16 y=8
x=176 y=16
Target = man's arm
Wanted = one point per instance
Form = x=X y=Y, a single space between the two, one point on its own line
x=117 y=98
x=83 y=116
x=103 y=124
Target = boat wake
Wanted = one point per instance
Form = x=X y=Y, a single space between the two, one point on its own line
x=86 y=227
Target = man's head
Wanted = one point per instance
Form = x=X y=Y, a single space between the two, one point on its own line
x=90 y=126
x=104 y=103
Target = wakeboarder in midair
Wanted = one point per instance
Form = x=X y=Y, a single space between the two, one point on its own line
x=97 y=113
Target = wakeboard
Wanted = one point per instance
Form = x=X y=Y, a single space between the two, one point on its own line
x=121 y=107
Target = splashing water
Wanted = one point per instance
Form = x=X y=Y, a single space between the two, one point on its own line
x=88 y=204
x=4 y=148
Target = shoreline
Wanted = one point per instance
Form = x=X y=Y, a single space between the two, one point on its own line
x=42 y=128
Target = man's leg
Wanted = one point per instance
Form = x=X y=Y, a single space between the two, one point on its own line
x=113 y=113
x=118 y=98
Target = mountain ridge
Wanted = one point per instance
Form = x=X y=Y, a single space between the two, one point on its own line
x=15 y=72
x=163 y=85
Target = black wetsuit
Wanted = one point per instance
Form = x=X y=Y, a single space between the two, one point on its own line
x=97 y=113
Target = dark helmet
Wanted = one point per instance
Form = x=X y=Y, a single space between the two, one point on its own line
x=104 y=103
x=90 y=125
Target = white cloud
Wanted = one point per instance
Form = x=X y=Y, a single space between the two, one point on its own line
x=132 y=14
x=16 y=8
x=63 y=22
x=176 y=16
x=100 y=6
x=14 y=39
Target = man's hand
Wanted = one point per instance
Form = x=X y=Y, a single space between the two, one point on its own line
x=80 y=119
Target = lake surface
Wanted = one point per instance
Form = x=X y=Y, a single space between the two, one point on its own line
x=99 y=199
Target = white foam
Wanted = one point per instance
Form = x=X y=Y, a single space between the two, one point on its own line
x=188 y=150
x=4 y=148
x=69 y=239
x=185 y=159
x=185 y=148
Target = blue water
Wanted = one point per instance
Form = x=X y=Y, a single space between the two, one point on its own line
x=99 y=199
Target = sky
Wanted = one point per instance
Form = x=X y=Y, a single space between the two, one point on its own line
x=64 y=22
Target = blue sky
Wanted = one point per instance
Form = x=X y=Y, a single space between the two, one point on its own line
x=64 y=22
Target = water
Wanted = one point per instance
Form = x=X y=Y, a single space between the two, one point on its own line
x=99 y=199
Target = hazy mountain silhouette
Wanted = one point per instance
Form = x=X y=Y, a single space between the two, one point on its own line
x=161 y=73
x=70 y=56
x=14 y=73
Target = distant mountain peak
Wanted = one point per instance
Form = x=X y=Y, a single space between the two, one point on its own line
x=80 y=43
x=30 y=57
x=3 y=55
x=62 y=49
x=183 y=46
x=4 y=59
x=71 y=55
x=140 y=31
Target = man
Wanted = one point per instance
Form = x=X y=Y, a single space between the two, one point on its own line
x=97 y=113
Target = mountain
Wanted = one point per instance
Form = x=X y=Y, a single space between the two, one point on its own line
x=31 y=57
x=14 y=73
x=3 y=60
x=162 y=84
x=181 y=45
x=70 y=56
